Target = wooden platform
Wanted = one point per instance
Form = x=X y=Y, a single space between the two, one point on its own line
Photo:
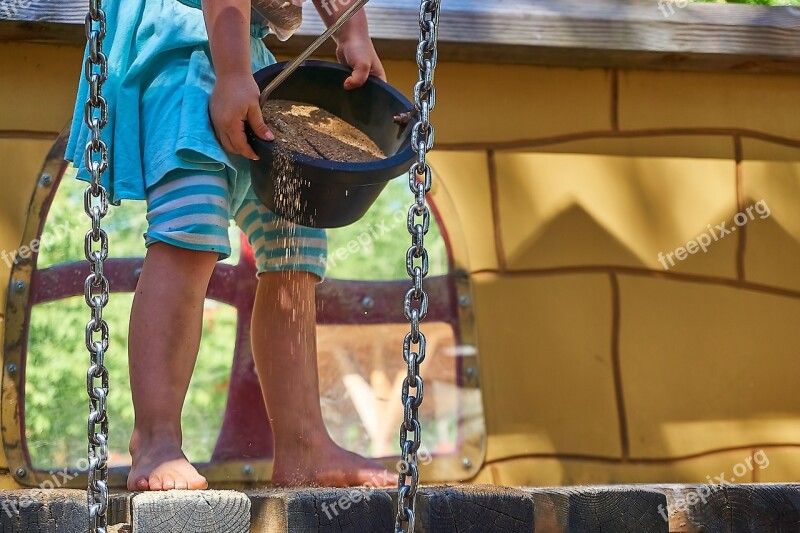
x=450 y=509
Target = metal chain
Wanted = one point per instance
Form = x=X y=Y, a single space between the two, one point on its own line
x=415 y=303
x=96 y=287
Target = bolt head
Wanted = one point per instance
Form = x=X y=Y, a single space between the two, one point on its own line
x=21 y=472
x=46 y=180
x=19 y=285
x=247 y=470
x=466 y=463
x=367 y=303
x=471 y=372
x=464 y=300
x=12 y=368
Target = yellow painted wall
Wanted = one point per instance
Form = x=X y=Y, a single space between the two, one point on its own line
x=597 y=364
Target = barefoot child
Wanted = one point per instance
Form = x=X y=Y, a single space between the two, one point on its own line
x=180 y=89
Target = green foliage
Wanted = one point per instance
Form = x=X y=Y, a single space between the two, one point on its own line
x=374 y=248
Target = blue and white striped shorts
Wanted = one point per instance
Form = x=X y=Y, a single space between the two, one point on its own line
x=190 y=209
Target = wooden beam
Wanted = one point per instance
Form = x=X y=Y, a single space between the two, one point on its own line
x=601 y=33
x=354 y=510
x=43 y=511
x=188 y=511
x=475 y=508
x=741 y=508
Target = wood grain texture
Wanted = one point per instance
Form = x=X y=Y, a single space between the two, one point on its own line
x=619 y=509
x=474 y=509
x=43 y=511
x=354 y=510
x=191 y=512
x=600 y=33
x=733 y=508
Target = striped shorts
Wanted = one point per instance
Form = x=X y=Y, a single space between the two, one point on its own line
x=191 y=210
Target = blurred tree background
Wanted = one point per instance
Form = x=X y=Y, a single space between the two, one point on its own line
x=55 y=396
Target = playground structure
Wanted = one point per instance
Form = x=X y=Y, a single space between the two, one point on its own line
x=619 y=135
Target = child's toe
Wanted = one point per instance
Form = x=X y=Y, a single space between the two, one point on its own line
x=168 y=482
x=155 y=483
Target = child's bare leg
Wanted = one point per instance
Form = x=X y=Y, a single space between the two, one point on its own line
x=165 y=330
x=284 y=348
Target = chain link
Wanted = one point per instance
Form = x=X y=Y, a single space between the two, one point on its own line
x=415 y=303
x=96 y=286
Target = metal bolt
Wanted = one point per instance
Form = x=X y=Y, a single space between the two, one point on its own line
x=21 y=472
x=464 y=300
x=137 y=273
x=12 y=368
x=466 y=463
x=471 y=372
x=247 y=470
x=46 y=180
x=19 y=285
x=367 y=303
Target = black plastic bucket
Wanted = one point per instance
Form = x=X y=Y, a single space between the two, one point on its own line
x=334 y=193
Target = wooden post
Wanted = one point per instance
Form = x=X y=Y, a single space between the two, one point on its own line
x=188 y=511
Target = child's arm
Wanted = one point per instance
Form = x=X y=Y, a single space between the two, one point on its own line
x=353 y=45
x=235 y=96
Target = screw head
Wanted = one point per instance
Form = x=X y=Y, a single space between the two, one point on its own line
x=46 y=180
x=471 y=372
x=12 y=368
x=464 y=300
x=21 y=472
x=137 y=273
x=247 y=470
x=466 y=463
x=367 y=303
x=19 y=285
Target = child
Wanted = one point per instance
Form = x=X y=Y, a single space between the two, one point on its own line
x=180 y=89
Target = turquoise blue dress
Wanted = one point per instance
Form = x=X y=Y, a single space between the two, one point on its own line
x=159 y=84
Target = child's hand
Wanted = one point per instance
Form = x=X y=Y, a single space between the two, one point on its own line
x=358 y=52
x=234 y=101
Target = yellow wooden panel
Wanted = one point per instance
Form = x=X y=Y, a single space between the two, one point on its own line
x=22 y=160
x=754 y=149
x=8 y=483
x=38 y=86
x=546 y=374
x=571 y=210
x=483 y=103
x=761 y=102
x=772 y=252
x=703 y=146
x=465 y=176
x=784 y=466
x=707 y=367
x=544 y=472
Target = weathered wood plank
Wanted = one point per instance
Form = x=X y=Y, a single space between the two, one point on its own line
x=733 y=508
x=620 y=509
x=355 y=510
x=474 y=508
x=43 y=511
x=183 y=511
x=600 y=33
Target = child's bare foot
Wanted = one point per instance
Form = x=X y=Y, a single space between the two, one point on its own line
x=327 y=465
x=161 y=465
